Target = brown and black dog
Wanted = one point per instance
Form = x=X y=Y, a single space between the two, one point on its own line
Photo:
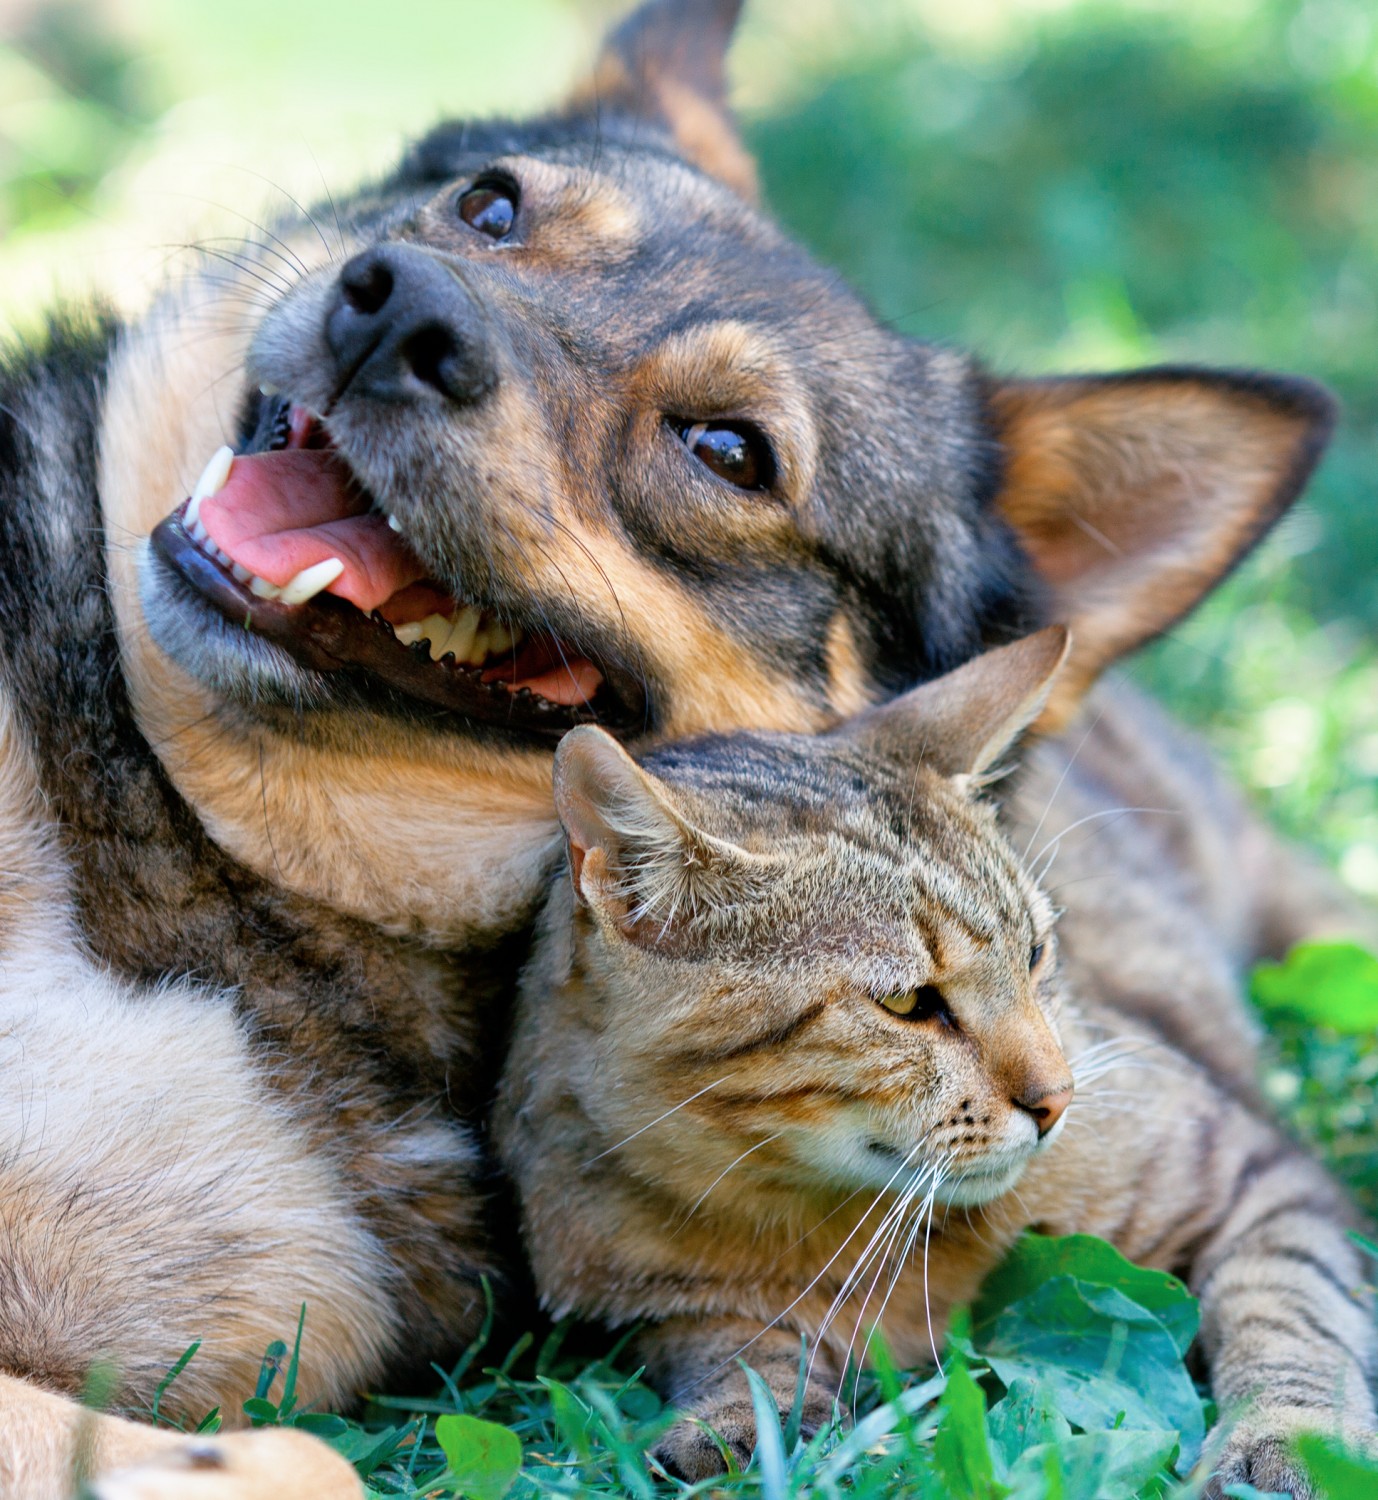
x=564 y=429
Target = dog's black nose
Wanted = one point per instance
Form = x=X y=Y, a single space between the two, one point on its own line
x=402 y=326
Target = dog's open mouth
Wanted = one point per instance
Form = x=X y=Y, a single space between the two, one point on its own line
x=287 y=544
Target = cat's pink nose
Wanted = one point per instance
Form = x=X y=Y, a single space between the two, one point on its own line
x=1046 y=1109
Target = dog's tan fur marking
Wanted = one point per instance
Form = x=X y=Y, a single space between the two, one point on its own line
x=849 y=688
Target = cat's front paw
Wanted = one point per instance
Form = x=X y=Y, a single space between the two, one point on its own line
x=691 y=1451
x=1260 y=1450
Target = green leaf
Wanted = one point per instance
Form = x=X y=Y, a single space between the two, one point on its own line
x=1037 y=1258
x=260 y=1412
x=484 y=1457
x=1328 y=984
x=1025 y=1418
x=1104 y=1361
x=1364 y=1243
x=1338 y=1472
x=1095 y=1465
x=961 y=1449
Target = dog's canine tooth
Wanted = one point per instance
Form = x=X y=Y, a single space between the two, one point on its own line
x=409 y=633
x=500 y=638
x=462 y=631
x=478 y=652
x=392 y=523
x=262 y=589
x=310 y=581
x=211 y=482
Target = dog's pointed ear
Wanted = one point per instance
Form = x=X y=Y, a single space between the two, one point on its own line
x=962 y=722
x=1135 y=494
x=634 y=855
x=665 y=63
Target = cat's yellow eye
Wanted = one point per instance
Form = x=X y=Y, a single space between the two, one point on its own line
x=925 y=1003
x=902 y=1003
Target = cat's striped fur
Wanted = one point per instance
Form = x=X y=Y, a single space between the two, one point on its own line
x=717 y=1125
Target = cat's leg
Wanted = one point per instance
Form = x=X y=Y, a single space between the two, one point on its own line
x=1286 y=1323
x=51 y=1443
x=694 y=1363
x=1191 y=1181
x=153 y=1192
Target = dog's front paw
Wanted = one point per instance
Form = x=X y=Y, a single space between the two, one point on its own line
x=1260 y=1450
x=236 y=1466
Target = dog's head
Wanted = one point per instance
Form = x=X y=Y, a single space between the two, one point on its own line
x=564 y=429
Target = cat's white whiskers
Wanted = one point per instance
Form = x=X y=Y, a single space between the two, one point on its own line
x=675 y=1110
x=1061 y=780
x=698 y=1202
x=785 y=1312
x=1055 y=843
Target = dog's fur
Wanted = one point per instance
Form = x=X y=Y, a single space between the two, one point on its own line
x=257 y=920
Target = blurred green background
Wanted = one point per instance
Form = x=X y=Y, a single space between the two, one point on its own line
x=1058 y=184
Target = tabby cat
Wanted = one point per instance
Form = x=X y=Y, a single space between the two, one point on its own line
x=797 y=1041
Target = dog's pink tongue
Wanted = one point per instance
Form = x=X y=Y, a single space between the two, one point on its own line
x=281 y=512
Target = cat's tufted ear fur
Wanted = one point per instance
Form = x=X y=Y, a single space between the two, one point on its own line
x=665 y=64
x=1135 y=494
x=960 y=723
x=632 y=853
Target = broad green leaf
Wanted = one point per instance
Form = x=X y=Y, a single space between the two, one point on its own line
x=1328 y=984
x=365 y=1450
x=1037 y=1258
x=1103 y=1360
x=484 y=1458
x=1024 y=1418
x=260 y=1412
x=961 y=1450
x=1338 y=1472
x=1093 y=1466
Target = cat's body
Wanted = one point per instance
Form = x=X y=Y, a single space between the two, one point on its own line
x=707 y=1114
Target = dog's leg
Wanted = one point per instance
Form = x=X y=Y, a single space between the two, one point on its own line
x=153 y=1192
x=51 y=1443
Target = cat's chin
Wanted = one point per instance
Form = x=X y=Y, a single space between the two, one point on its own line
x=974 y=1188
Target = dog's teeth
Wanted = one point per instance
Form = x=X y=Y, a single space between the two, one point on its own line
x=463 y=627
x=436 y=630
x=392 y=523
x=310 y=581
x=262 y=589
x=500 y=638
x=409 y=633
x=211 y=482
x=198 y=532
x=267 y=388
x=219 y=554
x=240 y=572
x=478 y=652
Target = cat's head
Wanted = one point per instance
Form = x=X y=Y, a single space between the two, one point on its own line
x=818 y=951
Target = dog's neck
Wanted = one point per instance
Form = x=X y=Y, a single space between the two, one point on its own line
x=418 y=834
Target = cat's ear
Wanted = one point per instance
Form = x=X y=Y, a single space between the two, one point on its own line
x=1135 y=494
x=665 y=64
x=633 y=854
x=960 y=723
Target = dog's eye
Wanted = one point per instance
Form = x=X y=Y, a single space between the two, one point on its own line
x=923 y=1004
x=490 y=208
x=1036 y=954
x=734 y=451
